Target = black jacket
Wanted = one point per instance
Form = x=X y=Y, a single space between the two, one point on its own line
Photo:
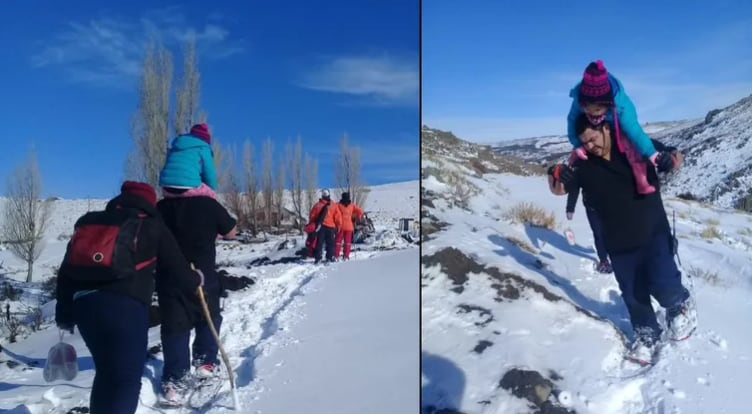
x=629 y=219
x=195 y=222
x=572 y=196
x=155 y=240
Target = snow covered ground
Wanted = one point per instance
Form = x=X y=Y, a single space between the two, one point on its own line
x=499 y=295
x=341 y=338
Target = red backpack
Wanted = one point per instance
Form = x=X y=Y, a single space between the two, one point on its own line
x=311 y=228
x=104 y=246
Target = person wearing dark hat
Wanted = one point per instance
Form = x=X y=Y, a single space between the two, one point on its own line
x=105 y=287
x=602 y=97
x=347 y=210
x=189 y=165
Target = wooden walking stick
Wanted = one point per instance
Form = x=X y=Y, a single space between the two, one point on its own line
x=209 y=321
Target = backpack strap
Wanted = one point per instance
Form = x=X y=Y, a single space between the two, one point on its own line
x=322 y=214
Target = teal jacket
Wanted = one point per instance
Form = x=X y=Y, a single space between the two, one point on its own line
x=190 y=161
x=626 y=113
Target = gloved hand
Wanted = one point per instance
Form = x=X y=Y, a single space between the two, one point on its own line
x=552 y=171
x=200 y=275
x=565 y=174
x=664 y=162
x=569 y=215
x=65 y=326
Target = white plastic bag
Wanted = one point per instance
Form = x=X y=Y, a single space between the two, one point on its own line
x=62 y=362
x=569 y=234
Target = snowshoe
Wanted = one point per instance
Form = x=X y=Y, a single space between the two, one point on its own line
x=207 y=371
x=642 y=352
x=682 y=320
x=172 y=395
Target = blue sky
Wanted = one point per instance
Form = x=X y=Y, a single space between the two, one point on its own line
x=495 y=70
x=268 y=69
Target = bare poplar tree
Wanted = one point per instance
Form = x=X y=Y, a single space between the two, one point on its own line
x=347 y=172
x=279 y=191
x=342 y=166
x=311 y=168
x=232 y=193
x=358 y=189
x=26 y=214
x=267 y=179
x=202 y=116
x=294 y=157
x=251 y=184
x=188 y=93
x=222 y=163
x=151 y=122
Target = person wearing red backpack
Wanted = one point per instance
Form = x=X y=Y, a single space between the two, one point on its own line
x=105 y=286
x=347 y=210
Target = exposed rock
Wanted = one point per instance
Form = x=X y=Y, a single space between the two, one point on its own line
x=481 y=346
x=532 y=386
x=482 y=312
x=454 y=264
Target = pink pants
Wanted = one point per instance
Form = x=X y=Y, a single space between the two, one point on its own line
x=201 y=191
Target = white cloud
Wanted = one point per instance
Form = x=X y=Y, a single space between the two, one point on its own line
x=384 y=152
x=108 y=52
x=381 y=79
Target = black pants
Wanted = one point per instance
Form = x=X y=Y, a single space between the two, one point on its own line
x=114 y=327
x=595 y=225
x=176 y=347
x=645 y=272
x=180 y=315
x=325 y=237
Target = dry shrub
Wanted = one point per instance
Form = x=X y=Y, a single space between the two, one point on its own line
x=528 y=213
x=710 y=232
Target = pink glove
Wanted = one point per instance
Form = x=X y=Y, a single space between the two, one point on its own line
x=581 y=153
x=653 y=158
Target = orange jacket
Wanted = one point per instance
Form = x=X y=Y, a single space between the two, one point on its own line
x=333 y=217
x=347 y=212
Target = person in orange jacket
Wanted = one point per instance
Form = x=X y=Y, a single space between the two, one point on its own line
x=328 y=220
x=347 y=209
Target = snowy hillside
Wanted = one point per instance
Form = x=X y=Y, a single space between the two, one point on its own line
x=718 y=156
x=516 y=320
x=444 y=151
x=303 y=338
x=718 y=151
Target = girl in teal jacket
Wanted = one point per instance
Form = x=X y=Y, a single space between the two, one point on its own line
x=598 y=92
x=189 y=167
